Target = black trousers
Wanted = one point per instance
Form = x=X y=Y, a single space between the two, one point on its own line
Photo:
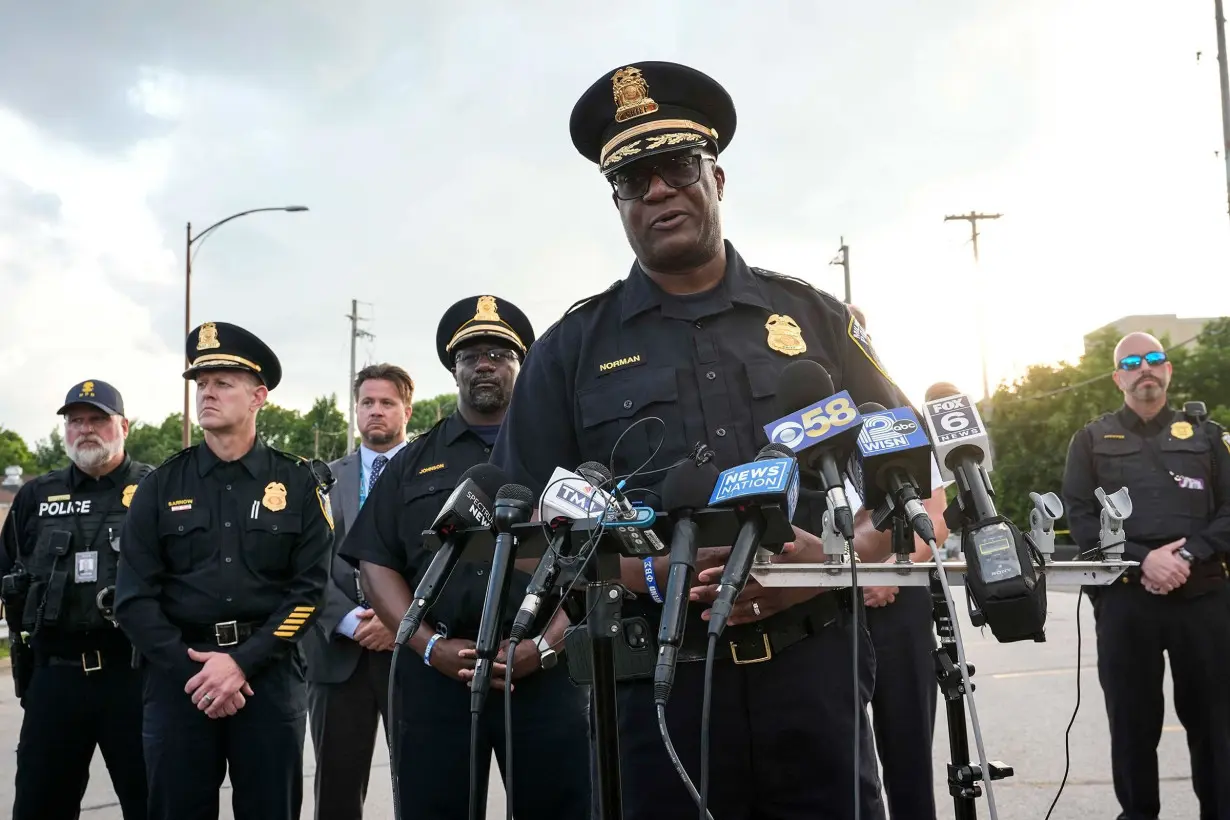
x=550 y=749
x=781 y=734
x=903 y=706
x=188 y=754
x=1134 y=628
x=67 y=713
x=344 y=721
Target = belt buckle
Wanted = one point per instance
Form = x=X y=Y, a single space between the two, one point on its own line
x=85 y=662
x=227 y=634
x=768 y=652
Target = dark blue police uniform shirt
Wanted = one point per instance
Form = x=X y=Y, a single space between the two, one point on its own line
x=701 y=363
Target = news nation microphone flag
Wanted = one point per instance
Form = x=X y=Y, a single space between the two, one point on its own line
x=769 y=480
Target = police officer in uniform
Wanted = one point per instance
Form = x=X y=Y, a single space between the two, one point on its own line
x=1177 y=469
x=481 y=340
x=696 y=337
x=226 y=557
x=73 y=669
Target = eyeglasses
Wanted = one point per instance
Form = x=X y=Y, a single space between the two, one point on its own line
x=675 y=170
x=469 y=358
x=1134 y=362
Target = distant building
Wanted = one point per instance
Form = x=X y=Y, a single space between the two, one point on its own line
x=1161 y=324
x=8 y=490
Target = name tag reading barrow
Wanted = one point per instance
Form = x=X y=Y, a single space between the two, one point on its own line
x=87 y=568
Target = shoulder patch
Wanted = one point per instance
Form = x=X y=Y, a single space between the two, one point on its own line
x=326 y=506
x=1225 y=439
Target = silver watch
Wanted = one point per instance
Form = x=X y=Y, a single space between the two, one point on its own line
x=547 y=657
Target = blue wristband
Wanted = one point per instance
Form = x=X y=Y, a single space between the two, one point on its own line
x=651 y=582
x=430 y=644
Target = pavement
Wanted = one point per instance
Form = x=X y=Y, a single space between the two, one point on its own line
x=1025 y=694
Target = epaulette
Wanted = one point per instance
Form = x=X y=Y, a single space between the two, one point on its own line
x=782 y=277
x=577 y=305
x=320 y=470
x=176 y=456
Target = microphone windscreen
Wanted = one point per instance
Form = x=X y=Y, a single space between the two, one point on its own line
x=596 y=473
x=802 y=384
x=775 y=450
x=688 y=486
x=516 y=492
x=940 y=390
x=869 y=407
x=488 y=477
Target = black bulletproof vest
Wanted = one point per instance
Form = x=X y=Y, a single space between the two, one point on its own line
x=1170 y=476
x=76 y=551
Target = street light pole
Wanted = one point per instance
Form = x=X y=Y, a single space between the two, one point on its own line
x=189 y=241
x=972 y=217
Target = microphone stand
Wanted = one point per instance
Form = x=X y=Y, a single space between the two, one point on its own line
x=604 y=602
x=963 y=776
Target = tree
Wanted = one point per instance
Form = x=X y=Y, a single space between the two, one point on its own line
x=429 y=411
x=1032 y=421
x=49 y=454
x=15 y=453
x=154 y=444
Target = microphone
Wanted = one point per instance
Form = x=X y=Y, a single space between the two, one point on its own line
x=468 y=506
x=632 y=526
x=597 y=474
x=567 y=498
x=963 y=450
x=513 y=505
x=893 y=451
x=685 y=490
x=772 y=479
x=823 y=433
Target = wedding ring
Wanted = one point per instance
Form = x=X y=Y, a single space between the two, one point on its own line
x=756 y=608
x=208 y=698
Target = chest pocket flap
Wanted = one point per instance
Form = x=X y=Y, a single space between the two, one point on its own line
x=279 y=523
x=428 y=484
x=611 y=400
x=1116 y=447
x=174 y=524
x=1196 y=445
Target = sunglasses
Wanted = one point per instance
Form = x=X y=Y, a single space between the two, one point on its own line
x=1134 y=362
x=469 y=358
x=675 y=170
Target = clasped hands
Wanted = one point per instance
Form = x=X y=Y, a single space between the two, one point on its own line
x=756 y=602
x=220 y=688
x=1164 y=570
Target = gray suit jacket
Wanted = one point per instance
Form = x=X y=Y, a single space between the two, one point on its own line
x=332 y=658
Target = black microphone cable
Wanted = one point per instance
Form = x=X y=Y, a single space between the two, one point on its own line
x=1067 y=750
x=856 y=605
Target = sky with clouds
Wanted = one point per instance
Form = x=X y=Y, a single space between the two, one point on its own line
x=431 y=145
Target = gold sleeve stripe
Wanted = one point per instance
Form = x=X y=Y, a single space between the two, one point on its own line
x=306 y=610
x=289 y=624
x=283 y=634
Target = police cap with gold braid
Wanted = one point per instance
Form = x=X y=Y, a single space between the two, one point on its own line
x=482 y=318
x=650 y=108
x=219 y=345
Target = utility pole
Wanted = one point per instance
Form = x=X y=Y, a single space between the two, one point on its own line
x=355 y=333
x=844 y=261
x=315 y=441
x=1225 y=92
x=972 y=217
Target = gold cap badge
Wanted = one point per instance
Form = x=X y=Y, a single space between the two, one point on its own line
x=1181 y=429
x=631 y=95
x=87 y=389
x=207 y=339
x=785 y=335
x=126 y=498
x=486 y=311
x=275 y=496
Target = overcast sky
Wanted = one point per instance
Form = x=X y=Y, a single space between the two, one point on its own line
x=432 y=147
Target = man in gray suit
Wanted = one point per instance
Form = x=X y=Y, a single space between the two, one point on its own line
x=349 y=650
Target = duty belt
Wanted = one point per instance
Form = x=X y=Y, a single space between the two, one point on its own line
x=758 y=642
x=89 y=661
x=226 y=633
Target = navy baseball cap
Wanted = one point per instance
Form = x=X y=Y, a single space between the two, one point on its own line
x=96 y=393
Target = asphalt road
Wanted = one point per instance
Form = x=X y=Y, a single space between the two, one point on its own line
x=1025 y=696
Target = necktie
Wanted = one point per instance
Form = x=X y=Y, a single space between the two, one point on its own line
x=377 y=467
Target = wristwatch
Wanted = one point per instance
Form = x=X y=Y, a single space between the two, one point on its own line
x=547 y=657
x=1186 y=556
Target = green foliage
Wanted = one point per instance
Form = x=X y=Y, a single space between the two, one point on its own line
x=14 y=452
x=49 y=454
x=153 y=444
x=318 y=433
x=429 y=411
x=1032 y=421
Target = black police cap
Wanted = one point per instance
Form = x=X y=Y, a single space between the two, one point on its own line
x=97 y=393
x=650 y=108
x=482 y=317
x=219 y=345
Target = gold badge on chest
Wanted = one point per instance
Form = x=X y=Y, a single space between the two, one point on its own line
x=1181 y=429
x=275 y=496
x=785 y=335
x=126 y=498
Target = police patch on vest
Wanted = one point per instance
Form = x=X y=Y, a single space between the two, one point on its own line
x=62 y=505
x=1181 y=430
x=785 y=335
x=275 y=496
x=126 y=498
x=621 y=362
x=858 y=334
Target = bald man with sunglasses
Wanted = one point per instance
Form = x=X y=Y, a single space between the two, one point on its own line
x=1177 y=469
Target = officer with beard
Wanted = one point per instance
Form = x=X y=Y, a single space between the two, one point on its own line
x=1176 y=468
x=73 y=669
x=482 y=341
